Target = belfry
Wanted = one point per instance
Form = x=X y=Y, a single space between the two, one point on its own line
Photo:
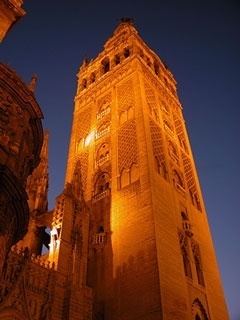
x=129 y=234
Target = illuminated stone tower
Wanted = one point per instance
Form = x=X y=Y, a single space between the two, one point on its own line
x=150 y=249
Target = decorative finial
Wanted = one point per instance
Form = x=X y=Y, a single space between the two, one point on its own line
x=32 y=83
x=127 y=20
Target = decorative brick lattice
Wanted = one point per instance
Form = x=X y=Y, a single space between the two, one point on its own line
x=180 y=132
x=84 y=123
x=84 y=168
x=127 y=145
x=151 y=98
x=157 y=141
x=125 y=93
x=188 y=173
x=188 y=170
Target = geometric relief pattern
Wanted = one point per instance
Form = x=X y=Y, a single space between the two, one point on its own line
x=151 y=99
x=83 y=159
x=127 y=145
x=188 y=173
x=190 y=181
x=84 y=124
x=125 y=95
x=180 y=132
x=157 y=141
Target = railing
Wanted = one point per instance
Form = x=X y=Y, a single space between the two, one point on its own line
x=103 y=132
x=103 y=159
x=103 y=113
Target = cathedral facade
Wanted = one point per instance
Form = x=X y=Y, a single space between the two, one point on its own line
x=129 y=236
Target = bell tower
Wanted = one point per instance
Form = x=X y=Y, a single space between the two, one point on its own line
x=150 y=249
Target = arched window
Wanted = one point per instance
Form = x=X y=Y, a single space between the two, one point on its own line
x=172 y=150
x=130 y=113
x=177 y=179
x=92 y=77
x=124 y=178
x=198 y=263
x=102 y=130
x=184 y=245
x=184 y=216
x=156 y=68
x=168 y=127
x=117 y=59
x=198 y=310
x=80 y=145
x=123 y=117
x=126 y=115
x=103 y=154
x=134 y=173
x=102 y=183
x=165 y=107
x=105 y=65
x=199 y=270
x=160 y=167
x=126 y=52
x=148 y=62
x=103 y=110
x=186 y=264
x=84 y=84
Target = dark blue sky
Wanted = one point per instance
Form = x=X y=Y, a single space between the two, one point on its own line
x=199 y=41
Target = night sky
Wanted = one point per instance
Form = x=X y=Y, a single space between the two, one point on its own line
x=200 y=43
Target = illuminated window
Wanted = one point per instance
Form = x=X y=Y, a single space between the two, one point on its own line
x=99 y=240
x=80 y=145
x=89 y=138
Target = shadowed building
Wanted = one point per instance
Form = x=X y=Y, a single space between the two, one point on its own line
x=129 y=234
